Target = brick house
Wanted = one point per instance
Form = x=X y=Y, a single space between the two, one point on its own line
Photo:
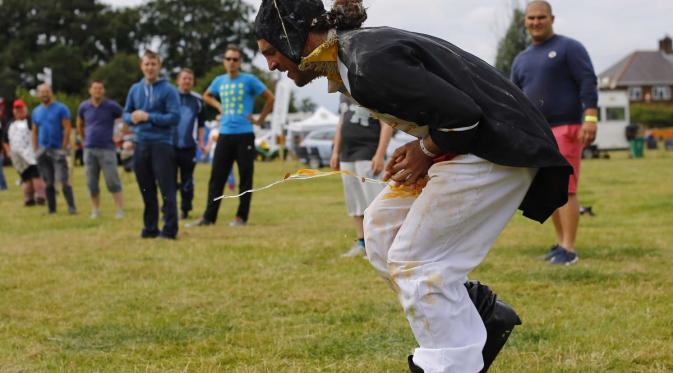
x=646 y=75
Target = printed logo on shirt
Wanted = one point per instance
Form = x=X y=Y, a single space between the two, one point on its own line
x=232 y=98
x=552 y=54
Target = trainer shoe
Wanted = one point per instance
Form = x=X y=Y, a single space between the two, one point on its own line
x=119 y=214
x=72 y=210
x=556 y=249
x=564 y=258
x=356 y=250
x=198 y=223
x=237 y=222
x=95 y=214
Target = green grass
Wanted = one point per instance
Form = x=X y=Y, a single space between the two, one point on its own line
x=85 y=296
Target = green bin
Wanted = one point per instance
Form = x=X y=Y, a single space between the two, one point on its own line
x=637 y=145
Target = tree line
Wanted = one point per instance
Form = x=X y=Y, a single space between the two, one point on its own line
x=82 y=40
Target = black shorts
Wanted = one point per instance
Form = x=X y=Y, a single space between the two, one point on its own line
x=29 y=173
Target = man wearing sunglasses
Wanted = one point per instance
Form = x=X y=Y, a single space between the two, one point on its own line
x=233 y=95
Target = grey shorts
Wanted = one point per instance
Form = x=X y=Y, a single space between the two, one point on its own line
x=359 y=195
x=53 y=165
x=97 y=160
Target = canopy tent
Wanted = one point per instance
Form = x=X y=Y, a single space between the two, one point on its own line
x=321 y=118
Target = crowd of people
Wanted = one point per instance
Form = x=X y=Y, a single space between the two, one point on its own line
x=167 y=123
x=487 y=145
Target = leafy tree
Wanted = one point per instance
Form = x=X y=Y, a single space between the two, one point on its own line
x=118 y=75
x=514 y=41
x=307 y=105
x=192 y=33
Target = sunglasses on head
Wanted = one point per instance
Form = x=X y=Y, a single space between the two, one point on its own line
x=234 y=59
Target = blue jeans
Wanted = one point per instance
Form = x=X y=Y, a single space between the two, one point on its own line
x=155 y=164
x=3 y=182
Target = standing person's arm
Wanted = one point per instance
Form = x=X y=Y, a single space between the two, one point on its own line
x=268 y=106
x=336 y=147
x=211 y=100
x=67 y=128
x=129 y=108
x=582 y=71
x=35 y=132
x=172 y=115
x=200 y=124
x=378 y=162
x=80 y=127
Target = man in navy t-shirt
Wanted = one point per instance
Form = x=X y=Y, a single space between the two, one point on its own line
x=233 y=95
x=188 y=135
x=556 y=74
x=95 y=123
x=51 y=141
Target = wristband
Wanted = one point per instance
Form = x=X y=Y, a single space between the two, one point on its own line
x=591 y=118
x=425 y=150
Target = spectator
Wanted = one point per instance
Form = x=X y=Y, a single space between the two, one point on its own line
x=3 y=181
x=360 y=145
x=153 y=111
x=556 y=74
x=192 y=121
x=233 y=94
x=18 y=144
x=51 y=141
x=95 y=123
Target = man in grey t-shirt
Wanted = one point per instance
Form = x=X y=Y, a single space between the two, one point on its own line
x=95 y=124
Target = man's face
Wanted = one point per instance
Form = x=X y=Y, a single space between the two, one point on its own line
x=278 y=61
x=232 y=62
x=539 y=22
x=97 y=91
x=150 y=68
x=44 y=93
x=20 y=113
x=185 y=81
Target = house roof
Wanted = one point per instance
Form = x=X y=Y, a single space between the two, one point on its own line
x=639 y=68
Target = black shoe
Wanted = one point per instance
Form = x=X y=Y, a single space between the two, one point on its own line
x=149 y=234
x=40 y=201
x=166 y=237
x=29 y=203
x=413 y=367
x=184 y=215
x=499 y=319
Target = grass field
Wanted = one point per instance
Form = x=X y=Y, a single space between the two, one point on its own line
x=78 y=295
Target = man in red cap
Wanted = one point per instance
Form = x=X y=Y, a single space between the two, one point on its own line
x=18 y=144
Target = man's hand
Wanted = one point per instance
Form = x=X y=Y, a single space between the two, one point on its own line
x=588 y=133
x=139 y=116
x=378 y=162
x=408 y=164
x=334 y=161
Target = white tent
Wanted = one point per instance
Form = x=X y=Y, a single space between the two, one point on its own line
x=321 y=118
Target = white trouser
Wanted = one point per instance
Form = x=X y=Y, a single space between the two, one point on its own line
x=426 y=246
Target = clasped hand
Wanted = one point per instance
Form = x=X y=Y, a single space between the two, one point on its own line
x=408 y=164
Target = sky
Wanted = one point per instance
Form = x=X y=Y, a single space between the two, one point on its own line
x=609 y=29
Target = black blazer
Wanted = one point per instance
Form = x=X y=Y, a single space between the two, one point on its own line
x=432 y=83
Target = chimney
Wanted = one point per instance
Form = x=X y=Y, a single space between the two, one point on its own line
x=665 y=45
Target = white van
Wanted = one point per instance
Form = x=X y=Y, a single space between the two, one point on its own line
x=613 y=117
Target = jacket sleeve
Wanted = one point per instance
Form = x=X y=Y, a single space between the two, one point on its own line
x=583 y=73
x=171 y=116
x=393 y=80
x=129 y=108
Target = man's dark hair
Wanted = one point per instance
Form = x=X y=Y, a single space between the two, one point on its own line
x=94 y=81
x=233 y=47
x=186 y=70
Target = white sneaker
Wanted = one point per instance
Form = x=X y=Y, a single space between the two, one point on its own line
x=95 y=214
x=119 y=214
x=355 y=250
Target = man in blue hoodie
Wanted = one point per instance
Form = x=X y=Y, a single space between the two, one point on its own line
x=153 y=110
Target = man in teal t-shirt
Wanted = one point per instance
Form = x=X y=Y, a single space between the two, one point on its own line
x=233 y=95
